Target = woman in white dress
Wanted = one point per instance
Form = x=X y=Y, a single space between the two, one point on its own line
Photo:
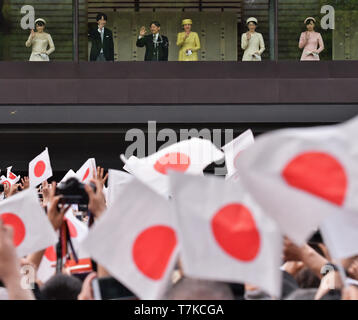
x=40 y=41
x=252 y=42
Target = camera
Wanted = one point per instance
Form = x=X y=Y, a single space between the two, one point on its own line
x=73 y=192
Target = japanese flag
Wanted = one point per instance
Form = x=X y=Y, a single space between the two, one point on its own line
x=13 y=178
x=117 y=181
x=301 y=176
x=78 y=231
x=87 y=171
x=233 y=149
x=136 y=242
x=340 y=234
x=40 y=169
x=5 y=181
x=32 y=229
x=70 y=174
x=224 y=235
x=189 y=156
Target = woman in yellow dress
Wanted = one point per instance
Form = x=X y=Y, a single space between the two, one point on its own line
x=189 y=42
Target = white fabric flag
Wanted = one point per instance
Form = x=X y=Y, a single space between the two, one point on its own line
x=136 y=242
x=301 y=176
x=13 y=178
x=224 y=234
x=117 y=181
x=32 y=229
x=40 y=169
x=189 y=156
x=233 y=149
x=87 y=171
x=70 y=174
x=340 y=234
x=78 y=231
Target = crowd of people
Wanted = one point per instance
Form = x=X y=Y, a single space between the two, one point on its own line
x=157 y=44
x=308 y=271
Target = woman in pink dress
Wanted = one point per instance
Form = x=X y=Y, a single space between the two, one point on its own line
x=311 y=42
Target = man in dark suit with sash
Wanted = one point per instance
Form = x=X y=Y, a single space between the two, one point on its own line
x=156 y=45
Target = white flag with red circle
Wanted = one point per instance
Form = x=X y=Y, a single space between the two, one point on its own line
x=70 y=174
x=224 y=234
x=189 y=156
x=301 y=176
x=117 y=181
x=78 y=231
x=40 y=169
x=136 y=242
x=32 y=229
x=12 y=177
x=233 y=149
x=5 y=181
x=87 y=171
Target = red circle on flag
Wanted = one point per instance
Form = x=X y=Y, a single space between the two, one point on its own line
x=235 y=231
x=18 y=226
x=39 y=168
x=86 y=174
x=50 y=254
x=174 y=160
x=12 y=176
x=7 y=183
x=71 y=228
x=318 y=173
x=152 y=250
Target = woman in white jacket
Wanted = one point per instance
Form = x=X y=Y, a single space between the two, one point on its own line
x=252 y=42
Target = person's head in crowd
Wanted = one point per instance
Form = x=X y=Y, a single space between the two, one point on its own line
x=254 y=293
x=154 y=27
x=302 y=294
x=195 y=289
x=187 y=23
x=61 y=287
x=101 y=19
x=40 y=25
x=306 y=279
x=251 y=24
x=310 y=23
x=333 y=294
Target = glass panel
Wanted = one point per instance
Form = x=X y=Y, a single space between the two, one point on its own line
x=17 y=19
x=218 y=24
x=336 y=21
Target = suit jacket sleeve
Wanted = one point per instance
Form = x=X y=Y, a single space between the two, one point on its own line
x=111 y=46
x=165 y=49
x=140 y=42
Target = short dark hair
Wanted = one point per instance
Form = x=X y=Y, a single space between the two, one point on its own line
x=61 y=287
x=309 y=21
x=155 y=23
x=100 y=15
x=40 y=23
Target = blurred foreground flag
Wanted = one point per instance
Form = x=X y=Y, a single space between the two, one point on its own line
x=301 y=176
x=40 y=169
x=340 y=234
x=189 y=156
x=70 y=174
x=233 y=149
x=87 y=171
x=136 y=242
x=223 y=233
x=32 y=229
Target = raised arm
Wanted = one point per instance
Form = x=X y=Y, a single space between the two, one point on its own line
x=244 y=41
x=51 y=44
x=28 y=43
x=303 y=40
x=180 y=39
